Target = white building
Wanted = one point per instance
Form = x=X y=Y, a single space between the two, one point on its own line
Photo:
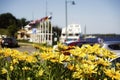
x=72 y=33
x=40 y=31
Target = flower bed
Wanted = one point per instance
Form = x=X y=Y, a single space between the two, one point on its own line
x=64 y=63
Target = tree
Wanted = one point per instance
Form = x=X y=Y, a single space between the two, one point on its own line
x=12 y=30
x=22 y=22
x=10 y=24
x=57 y=30
x=6 y=20
x=3 y=32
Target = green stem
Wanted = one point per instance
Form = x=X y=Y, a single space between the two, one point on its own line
x=8 y=77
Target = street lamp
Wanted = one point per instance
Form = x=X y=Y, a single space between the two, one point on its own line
x=66 y=23
x=46 y=8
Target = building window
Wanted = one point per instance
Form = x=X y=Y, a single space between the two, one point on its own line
x=63 y=34
x=76 y=34
x=70 y=34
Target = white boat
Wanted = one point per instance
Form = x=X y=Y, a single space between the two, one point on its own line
x=72 y=33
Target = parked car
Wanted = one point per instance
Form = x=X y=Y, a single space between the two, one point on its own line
x=115 y=61
x=9 y=42
x=113 y=46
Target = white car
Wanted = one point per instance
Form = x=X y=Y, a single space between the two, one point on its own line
x=113 y=46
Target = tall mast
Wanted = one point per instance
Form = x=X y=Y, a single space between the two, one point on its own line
x=85 y=31
x=46 y=8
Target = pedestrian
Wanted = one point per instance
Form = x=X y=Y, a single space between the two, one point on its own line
x=100 y=40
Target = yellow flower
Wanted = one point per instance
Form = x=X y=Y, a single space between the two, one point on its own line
x=92 y=57
x=26 y=68
x=28 y=78
x=112 y=73
x=105 y=79
x=117 y=75
x=75 y=51
x=82 y=55
x=103 y=62
x=118 y=66
x=47 y=55
x=71 y=67
x=30 y=59
x=62 y=47
x=61 y=58
x=54 y=60
x=36 y=46
x=78 y=74
x=83 y=70
x=89 y=69
x=77 y=66
x=11 y=68
x=4 y=71
x=15 y=61
x=21 y=57
x=7 y=52
x=106 y=53
x=87 y=62
x=40 y=73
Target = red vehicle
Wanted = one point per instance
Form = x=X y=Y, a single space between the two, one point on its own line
x=79 y=43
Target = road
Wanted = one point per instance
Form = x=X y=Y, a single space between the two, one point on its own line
x=24 y=48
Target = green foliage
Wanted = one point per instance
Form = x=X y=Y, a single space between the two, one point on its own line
x=9 y=25
x=57 y=30
x=3 y=32
x=85 y=63
x=7 y=19
x=12 y=30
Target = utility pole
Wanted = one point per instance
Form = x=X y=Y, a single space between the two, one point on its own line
x=85 y=31
x=46 y=8
x=66 y=16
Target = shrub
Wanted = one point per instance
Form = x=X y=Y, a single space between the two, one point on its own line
x=64 y=63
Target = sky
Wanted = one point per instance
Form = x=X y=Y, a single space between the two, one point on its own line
x=99 y=16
